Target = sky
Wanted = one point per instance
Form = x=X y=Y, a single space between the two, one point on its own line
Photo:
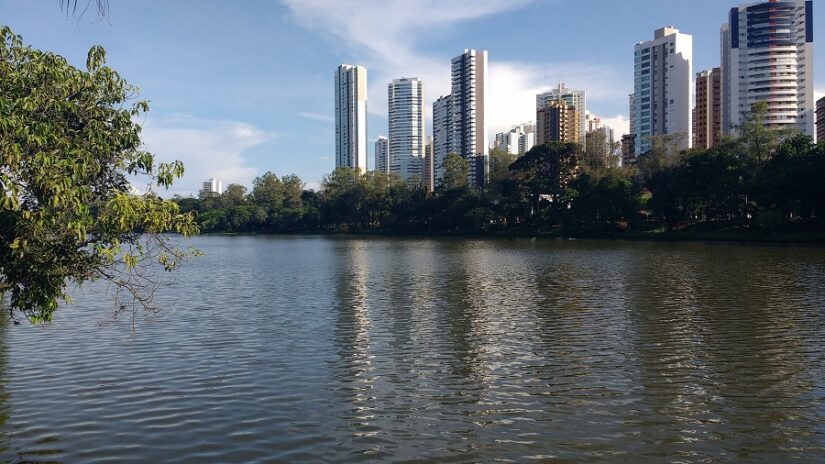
x=237 y=89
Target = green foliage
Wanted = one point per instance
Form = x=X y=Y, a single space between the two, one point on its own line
x=551 y=188
x=456 y=170
x=791 y=182
x=664 y=153
x=68 y=141
x=758 y=140
x=545 y=174
x=597 y=158
x=604 y=203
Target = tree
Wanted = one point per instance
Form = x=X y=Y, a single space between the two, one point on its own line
x=598 y=157
x=293 y=188
x=546 y=172
x=602 y=204
x=456 y=171
x=791 y=181
x=500 y=161
x=664 y=153
x=342 y=199
x=68 y=141
x=759 y=140
x=235 y=195
x=268 y=191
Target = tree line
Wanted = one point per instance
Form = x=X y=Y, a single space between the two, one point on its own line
x=763 y=180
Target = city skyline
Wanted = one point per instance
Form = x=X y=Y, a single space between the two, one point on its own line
x=238 y=120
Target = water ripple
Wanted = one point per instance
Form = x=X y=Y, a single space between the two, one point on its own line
x=361 y=350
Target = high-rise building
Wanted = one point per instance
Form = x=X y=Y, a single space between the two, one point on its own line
x=663 y=88
x=518 y=141
x=820 y=121
x=602 y=135
x=557 y=122
x=724 y=73
x=351 y=117
x=442 y=140
x=382 y=155
x=768 y=56
x=628 y=150
x=707 y=115
x=429 y=166
x=468 y=129
x=507 y=142
x=211 y=186
x=407 y=128
x=527 y=141
x=593 y=122
x=575 y=98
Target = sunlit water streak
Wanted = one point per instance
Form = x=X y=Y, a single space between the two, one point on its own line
x=316 y=349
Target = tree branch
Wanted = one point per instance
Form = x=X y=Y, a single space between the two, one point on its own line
x=71 y=7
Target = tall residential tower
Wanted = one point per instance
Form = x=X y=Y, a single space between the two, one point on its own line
x=351 y=117
x=768 y=56
x=707 y=114
x=663 y=88
x=442 y=140
x=468 y=128
x=576 y=99
x=382 y=155
x=558 y=121
x=407 y=128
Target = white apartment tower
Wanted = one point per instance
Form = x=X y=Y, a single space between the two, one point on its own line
x=768 y=56
x=725 y=73
x=407 y=141
x=518 y=141
x=351 y=117
x=442 y=124
x=663 y=88
x=574 y=98
x=468 y=129
x=382 y=152
x=211 y=186
x=429 y=166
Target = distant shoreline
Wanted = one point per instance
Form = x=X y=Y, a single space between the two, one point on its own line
x=726 y=236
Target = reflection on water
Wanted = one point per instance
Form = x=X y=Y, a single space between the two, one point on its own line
x=4 y=399
x=343 y=350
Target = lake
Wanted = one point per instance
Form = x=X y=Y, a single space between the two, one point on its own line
x=326 y=349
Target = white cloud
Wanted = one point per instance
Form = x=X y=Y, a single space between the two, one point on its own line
x=514 y=87
x=317 y=116
x=818 y=93
x=207 y=148
x=619 y=123
x=383 y=35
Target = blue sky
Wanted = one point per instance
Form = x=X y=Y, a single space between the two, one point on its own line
x=240 y=88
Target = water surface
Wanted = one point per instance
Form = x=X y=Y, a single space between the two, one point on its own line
x=313 y=349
